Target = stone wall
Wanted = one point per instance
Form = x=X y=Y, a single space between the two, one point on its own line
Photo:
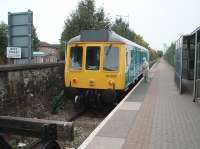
x=29 y=84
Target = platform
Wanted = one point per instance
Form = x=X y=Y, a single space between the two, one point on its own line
x=152 y=116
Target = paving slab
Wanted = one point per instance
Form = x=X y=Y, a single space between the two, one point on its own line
x=139 y=93
x=119 y=124
x=106 y=143
x=166 y=120
x=130 y=106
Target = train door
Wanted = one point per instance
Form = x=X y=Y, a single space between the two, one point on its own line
x=128 y=64
x=135 y=62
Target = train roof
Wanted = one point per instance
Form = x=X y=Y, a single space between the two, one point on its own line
x=103 y=36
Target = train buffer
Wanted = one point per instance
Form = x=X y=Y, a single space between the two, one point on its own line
x=153 y=115
x=48 y=131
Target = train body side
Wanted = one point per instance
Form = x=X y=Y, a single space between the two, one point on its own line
x=134 y=62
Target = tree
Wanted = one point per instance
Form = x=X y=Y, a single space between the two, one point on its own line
x=83 y=18
x=122 y=28
x=139 y=40
x=3 y=38
x=160 y=53
x=170 y=53
x=86 y=16
x=152 y=54
x=36 y=41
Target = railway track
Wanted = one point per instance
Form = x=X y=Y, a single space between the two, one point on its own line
x=95 y=111
x=76 y=115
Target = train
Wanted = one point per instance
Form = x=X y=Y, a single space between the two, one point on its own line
x=100 y=66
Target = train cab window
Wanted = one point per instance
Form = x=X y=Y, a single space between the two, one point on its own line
x=76 y=55
x=92 y=58
x=111 y=59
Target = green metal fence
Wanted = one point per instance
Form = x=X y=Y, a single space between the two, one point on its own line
x=169 y=56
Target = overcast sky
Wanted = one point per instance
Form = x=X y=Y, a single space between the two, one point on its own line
x=158 y=21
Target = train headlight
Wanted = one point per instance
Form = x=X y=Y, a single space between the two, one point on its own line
x=110 y=82
x=74 y=80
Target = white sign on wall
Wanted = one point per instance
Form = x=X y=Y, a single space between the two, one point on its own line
x=13 y=52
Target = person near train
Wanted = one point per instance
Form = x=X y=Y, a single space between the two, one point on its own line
x=145 y=68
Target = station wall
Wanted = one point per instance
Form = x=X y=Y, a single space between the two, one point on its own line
x=27 y=83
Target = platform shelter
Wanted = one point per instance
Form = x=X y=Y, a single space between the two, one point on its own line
x=187 y=63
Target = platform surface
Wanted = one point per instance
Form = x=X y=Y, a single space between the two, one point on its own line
x=153 y=116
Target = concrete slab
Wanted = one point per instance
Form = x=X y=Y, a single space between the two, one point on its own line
x=139 y=93
x=118 y=126
x=106 y=143
x=131 y=106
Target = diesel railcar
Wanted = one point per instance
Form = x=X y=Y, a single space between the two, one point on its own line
x=100 y=65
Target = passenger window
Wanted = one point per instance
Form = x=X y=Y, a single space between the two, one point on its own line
x=111 y=59
x=92 y=58
x=76 y=54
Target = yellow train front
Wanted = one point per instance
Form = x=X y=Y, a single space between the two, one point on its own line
x=97 y=65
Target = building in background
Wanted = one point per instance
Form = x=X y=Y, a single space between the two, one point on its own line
x=47 y=53
x=38 y=57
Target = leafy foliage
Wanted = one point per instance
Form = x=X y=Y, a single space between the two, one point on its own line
x=122 y=28
x=160 y=53
x=3 y=38
x=86 y=16
x=36 y=40
x=169 y=54
x=57 y=102
x=83 y=18
x=152 y=54
x=139 y=40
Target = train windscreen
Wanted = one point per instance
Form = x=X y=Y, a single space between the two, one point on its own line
x=76 y=56
x=92 y=58
x=111 y=59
